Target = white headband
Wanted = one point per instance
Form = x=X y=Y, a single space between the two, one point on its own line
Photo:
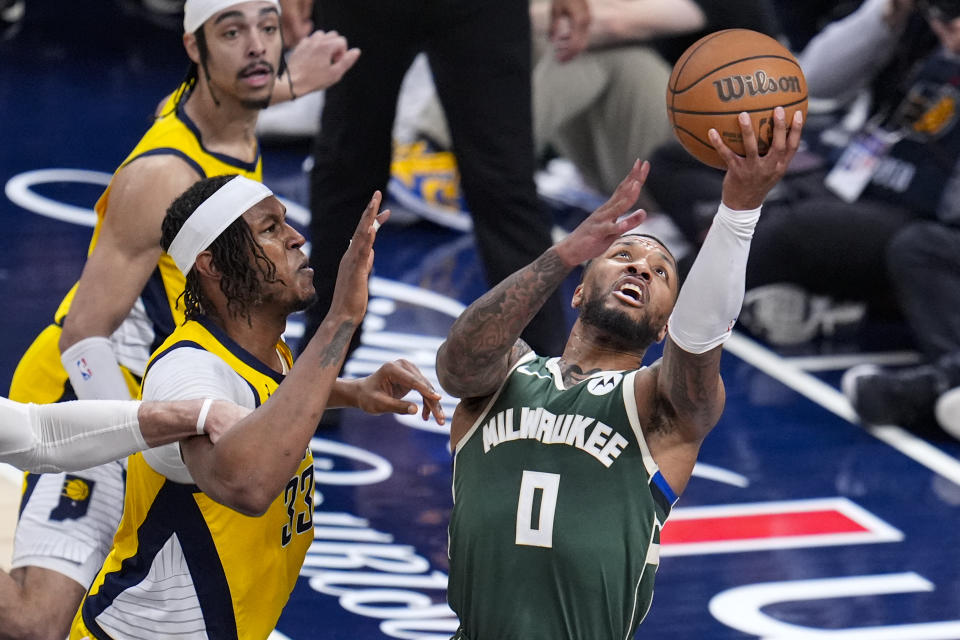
x=196 y=12
x=214 y=214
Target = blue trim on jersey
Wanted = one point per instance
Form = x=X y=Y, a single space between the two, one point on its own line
x=170 y=151
x=662 y=494
x=30 y=483
x=174 y=511
x=664 y=486
x=246 y=166
x=157 y=306
x=245 y=356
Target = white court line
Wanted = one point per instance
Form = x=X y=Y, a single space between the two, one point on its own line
x=832 y=400
x=840 y=362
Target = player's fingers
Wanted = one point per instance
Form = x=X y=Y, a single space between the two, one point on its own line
x=433 y=407
x=796 y=128
x=381 y=219
x=630 y=221
x=722 y=149
x=779 y=141
x=369 y=215
x=414 y=379
x=750 y=147
x=393 y=405
x=343 y=63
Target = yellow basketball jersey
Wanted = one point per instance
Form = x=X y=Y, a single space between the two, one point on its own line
x=39 y=376
x=186 y=566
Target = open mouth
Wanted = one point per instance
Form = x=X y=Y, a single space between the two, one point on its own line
x=630 y=293
x=257 y=73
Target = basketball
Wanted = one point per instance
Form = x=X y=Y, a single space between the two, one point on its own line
x=723 y=74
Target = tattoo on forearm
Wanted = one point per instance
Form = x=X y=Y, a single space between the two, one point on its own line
x=693 y=382
x=338 y=344
x=482 y=335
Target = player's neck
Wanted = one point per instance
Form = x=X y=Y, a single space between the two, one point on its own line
x=226 y=126
x=257 y=334
x=587 y=351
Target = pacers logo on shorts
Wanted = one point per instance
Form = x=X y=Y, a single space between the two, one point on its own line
x=74 y=498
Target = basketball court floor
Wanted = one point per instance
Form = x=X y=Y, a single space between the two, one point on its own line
x=799 y=523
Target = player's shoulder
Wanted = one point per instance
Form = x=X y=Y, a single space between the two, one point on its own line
x=154 y=175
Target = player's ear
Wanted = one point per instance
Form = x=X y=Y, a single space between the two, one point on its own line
x=577 y=299
x=662 y=333
x=193 y=49
x=205 y=267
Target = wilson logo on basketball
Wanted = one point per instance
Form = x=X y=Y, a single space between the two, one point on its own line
x=736 y=87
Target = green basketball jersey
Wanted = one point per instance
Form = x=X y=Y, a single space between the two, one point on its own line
x=557 y=513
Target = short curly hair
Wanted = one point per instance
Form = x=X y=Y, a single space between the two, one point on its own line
x=242 y=278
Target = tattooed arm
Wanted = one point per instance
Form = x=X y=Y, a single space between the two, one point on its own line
x=249 y=466
x=484 y=341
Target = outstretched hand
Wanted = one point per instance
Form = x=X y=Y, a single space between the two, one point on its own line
x=350 y=294
x=750 y=177
x=384 y=389
x=319 y=61
x=595 y=234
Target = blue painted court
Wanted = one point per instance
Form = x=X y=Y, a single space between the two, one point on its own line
x=798 y=524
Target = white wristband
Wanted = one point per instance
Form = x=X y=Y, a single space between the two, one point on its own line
x=93 y=370
x=202 y=418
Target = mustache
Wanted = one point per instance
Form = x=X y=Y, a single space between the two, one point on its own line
x=256 y=67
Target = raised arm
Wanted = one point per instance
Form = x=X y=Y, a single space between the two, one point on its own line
x=688 y=377
x=249 y=466
x=317 y=61
x=115 y=273
x=484 y=341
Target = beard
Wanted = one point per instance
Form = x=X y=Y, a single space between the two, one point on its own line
x=256 y=105
x=616 y=328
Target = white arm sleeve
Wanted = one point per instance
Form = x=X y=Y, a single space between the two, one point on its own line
x=93 y=370
x=68 y=436
x=711 y=296
x=187 y=374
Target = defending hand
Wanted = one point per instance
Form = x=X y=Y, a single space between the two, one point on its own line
x=595 y=234
x=350 y=294
x=383 y=390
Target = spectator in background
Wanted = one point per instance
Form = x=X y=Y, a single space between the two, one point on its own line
x=923 y=262
x=606 y=107
x=829 y=224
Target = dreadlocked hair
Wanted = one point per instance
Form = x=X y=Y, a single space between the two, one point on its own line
x=241 y=281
